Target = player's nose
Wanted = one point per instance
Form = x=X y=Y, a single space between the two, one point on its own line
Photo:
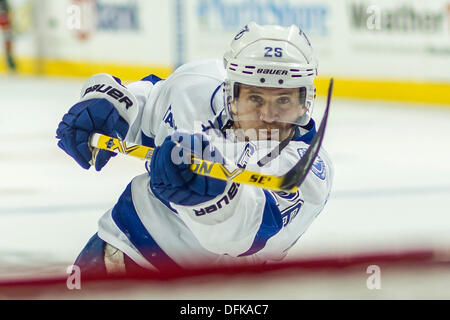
x=268 y=113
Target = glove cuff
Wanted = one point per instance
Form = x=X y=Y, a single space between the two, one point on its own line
x=105 y=86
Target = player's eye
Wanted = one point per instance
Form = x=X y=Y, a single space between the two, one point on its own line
x=283 y=100
x=257 y=99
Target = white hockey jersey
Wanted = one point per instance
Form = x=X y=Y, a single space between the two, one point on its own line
x=245 y=223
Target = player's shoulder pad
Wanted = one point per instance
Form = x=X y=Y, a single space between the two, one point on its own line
x=106 y=86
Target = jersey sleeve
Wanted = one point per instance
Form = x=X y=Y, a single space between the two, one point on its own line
x=142 y=91
x=244 y=218
x=189 y=100
x=230 y=223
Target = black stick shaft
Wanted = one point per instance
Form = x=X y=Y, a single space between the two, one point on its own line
x=298 y=173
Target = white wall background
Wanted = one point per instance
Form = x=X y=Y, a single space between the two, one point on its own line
x=382 y=39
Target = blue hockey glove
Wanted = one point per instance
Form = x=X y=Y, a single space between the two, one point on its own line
x=83 y=119
x=171 y=178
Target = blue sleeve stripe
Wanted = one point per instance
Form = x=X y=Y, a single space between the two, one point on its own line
x=212 y=99
x=147 y=141
x=152 y=78
x=164 y=202
x=125 y=216
x=271 y=224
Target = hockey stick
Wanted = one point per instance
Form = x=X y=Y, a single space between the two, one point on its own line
x=289 y=182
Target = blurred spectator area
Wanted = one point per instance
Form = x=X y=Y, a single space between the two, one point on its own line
x=387 y=50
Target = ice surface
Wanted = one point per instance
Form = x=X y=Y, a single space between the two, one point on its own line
x=391 y=187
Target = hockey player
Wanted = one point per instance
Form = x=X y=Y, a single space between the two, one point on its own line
x=5 y=24
x=169 y=218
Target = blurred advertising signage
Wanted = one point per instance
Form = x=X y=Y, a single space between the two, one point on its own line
x=117 y=16
x=106 y=15
x=398 y=18
x=228 y=15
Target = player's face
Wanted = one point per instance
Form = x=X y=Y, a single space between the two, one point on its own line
x=269 y=112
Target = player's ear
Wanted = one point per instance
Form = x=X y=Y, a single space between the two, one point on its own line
x=232 y=104
x=233 y=108
x=304 y=109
